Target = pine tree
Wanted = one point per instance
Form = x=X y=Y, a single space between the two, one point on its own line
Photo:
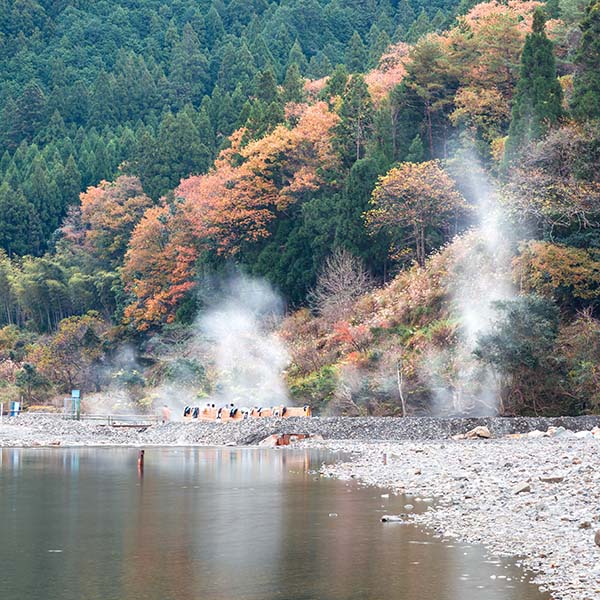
x=336 y=84
x=214 y=29
x=31 y=112
x=102 y=103
x=20 y=231
x=70 y=183
x=585 y=102
x=537 y=102
x=405 y=14
x=296 y=57
x=319 y=66
x=189 y=69
x=265 y=86
x=378 y=48
x=350 y=228
x=420 y=26
x=293 y=85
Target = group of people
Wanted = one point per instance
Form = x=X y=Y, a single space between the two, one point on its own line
x=211 y=412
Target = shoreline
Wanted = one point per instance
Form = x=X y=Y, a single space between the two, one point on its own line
x=29 y=429
x=537 y=500
x=532 y=497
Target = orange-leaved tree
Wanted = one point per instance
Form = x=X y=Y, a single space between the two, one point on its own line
x=224 y=210
x=109 y=213
x=412 y=202
x=158 y=268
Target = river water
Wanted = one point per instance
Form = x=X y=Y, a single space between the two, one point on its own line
x=219 y=524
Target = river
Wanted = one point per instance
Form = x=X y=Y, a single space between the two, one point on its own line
x=220 y=524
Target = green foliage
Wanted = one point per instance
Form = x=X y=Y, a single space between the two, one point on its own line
x=315 y=389
x=537 y=104
x=585 y=101
x=520 y=348
x=356 y=122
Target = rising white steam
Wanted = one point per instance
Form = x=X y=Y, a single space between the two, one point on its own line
x=480 y=276
x=238 y=327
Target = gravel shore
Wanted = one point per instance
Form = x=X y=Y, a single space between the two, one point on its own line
x=529 y=496
x=37 y=430
x=538 y=499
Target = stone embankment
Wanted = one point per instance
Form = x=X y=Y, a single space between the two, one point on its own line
x=32 y=429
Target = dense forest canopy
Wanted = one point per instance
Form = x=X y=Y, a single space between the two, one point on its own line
x=147 y=146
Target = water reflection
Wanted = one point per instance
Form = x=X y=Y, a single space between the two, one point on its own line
x=218 y=524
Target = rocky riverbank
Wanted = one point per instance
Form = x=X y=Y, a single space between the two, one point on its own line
x=520 y=494
x=533 y=497
x=33 y=429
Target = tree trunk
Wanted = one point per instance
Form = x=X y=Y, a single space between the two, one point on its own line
x=400 y=380
x=429 y=129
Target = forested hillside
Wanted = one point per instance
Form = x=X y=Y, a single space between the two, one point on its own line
x=328 y=147
x=155 y=89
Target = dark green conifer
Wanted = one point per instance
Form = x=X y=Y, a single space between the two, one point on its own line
x=416 y=151
x=585 y=102
x=356 y=54
x=537 y=103
x=293 y=85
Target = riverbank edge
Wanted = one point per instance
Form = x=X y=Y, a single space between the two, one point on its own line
x=561 y=557
x=30 y=429
x=473 y=481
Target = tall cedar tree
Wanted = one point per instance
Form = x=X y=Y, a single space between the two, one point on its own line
x=585 y=101
x=538 y=98
x=356 y=114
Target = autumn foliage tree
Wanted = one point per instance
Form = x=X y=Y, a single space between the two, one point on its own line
x=225 y=210
x=72 y=355
x=412 y=203
x=109 y=213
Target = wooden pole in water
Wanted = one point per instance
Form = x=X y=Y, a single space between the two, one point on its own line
x=141 y=462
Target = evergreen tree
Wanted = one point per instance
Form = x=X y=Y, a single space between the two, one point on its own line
x=336 y=84
x=102 y=103
x=265 y=86
x=214 y=29
x=296 y=57
x=537 y=103
x=585 y=101
x=351 y=232
x=419 y=28
x=70 y=182
x=381 y=44
x=416 y=151
x=356 y=113
x=356 y=54
x=319 y=66
x=553 y=9
x=189 y=69
x=293 y=85
x=405 y=14
x=177 y=152
x=31 y=112
x=20 y=231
